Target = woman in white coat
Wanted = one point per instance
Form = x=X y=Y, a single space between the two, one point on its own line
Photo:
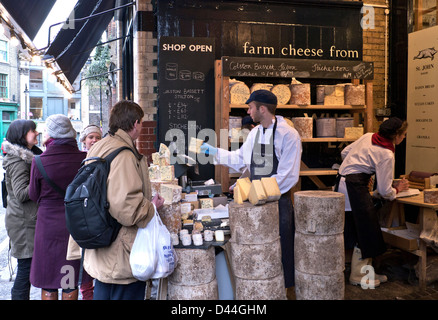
x=372 y=154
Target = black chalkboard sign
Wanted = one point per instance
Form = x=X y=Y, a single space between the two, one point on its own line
x=297 y=68
x=186 y=91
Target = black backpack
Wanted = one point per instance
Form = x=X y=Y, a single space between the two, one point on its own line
x=86 y=207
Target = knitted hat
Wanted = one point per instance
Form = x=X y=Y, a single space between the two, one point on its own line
x=389 y=127
x=89 y=129
x=59 y=126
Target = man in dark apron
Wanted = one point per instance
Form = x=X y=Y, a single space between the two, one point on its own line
x=272 y=149
x=264 y=163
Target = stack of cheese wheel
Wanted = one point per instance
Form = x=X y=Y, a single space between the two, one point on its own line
x=255 y=249
x=319 y=245
x=194 y=277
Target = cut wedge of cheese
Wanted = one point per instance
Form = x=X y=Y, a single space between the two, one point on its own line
x=154 y=172
x=237 y=195
x=206 y=203
x=195 y=145
x=156 y=158
x=171 y=193
x=167 y=173
x=271 y=188
x=244 y=185
x=257 y=194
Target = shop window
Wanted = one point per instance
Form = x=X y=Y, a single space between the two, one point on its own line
x=3 y=86
x=36 y=79
x=425 y=14
x=36 y=108
x=3 y=51
x=7 y=116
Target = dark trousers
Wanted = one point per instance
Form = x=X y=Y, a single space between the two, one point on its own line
x=21 y=288
x=364 y=217
x=287 y=238
x=110 y=291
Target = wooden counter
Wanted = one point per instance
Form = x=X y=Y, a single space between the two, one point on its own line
x=427 y=217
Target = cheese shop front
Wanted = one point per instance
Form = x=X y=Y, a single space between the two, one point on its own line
x=192 y=66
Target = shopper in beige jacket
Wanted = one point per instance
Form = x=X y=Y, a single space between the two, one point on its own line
x=129 y=196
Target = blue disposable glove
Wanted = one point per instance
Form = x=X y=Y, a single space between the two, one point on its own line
x=208 y=149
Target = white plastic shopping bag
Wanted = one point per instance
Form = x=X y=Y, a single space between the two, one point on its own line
x=152 y=254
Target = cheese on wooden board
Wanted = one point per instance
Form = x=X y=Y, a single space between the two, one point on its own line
x=271 y=188
x=167 y=173
x=206 y=203
x=156 y=158
x=257 y=194
x=171 y=193
x=237 y=195
x=244 y=185
x=154 y=172
x=195 y=145
x=239 y=92
x=282 y=92
x=430 y=195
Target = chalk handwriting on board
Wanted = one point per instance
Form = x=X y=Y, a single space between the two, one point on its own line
x=298 y=68
x=172 y=73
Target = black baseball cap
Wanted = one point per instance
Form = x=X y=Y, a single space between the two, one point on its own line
x=263 y=96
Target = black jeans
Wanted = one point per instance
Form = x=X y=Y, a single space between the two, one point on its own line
x=21 y=288
x=110 y=291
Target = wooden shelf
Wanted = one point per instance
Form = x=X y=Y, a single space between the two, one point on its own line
x=331 y=139
x=223 y=109
x=318 y=172
x=309 y=107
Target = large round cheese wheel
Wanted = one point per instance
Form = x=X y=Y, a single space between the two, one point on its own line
x=282 y=92
x=239 y=92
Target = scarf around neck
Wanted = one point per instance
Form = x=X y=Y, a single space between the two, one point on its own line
x=378 y=140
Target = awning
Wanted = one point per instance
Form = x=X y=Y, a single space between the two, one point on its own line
x=72 y=46
x=29 y=15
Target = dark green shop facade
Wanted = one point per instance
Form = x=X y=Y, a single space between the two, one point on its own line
x=8 y=113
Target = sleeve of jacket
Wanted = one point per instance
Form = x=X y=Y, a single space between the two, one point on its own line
x=128 y=203
x=20 y=177
x=35 y=183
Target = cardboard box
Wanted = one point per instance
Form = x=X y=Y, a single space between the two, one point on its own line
x=398 y=237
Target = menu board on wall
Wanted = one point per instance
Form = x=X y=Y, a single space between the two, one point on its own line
x=298 y=68
x=186 y=89
x=422 y=105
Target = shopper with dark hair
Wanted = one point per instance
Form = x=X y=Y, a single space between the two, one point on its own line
x=20 y=148
x=61 y=160
x=130 y=203
x=371 y=154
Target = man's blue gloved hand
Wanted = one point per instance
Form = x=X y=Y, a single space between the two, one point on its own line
x=208 y=149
